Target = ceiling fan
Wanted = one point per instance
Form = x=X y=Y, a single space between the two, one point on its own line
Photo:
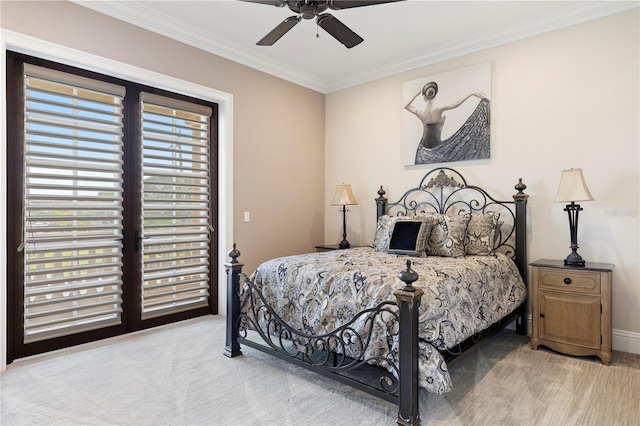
x=309 y=9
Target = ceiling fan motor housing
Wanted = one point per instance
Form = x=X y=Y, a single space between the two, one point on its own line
x=308 y=9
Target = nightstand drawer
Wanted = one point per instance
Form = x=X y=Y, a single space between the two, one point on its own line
x=574 y=281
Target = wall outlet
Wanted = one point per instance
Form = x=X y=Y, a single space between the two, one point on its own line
x=247 y=217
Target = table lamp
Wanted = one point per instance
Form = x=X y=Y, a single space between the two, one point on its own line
x=573 y=188
x=344 y=197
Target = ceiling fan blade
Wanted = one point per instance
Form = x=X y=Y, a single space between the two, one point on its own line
x=338 y=30
x=347 y=4
x=279 y=3
x=279 y=31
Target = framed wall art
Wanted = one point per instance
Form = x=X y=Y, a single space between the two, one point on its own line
x=447 y=116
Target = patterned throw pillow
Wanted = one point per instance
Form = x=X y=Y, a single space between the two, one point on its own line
x=481 y=234
x=447 y=236
x=384 y=229
x=383 y=233
x=409 y=236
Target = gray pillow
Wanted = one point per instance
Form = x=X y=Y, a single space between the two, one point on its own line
x=383 y=233
x=481 y=234
x=447 y=237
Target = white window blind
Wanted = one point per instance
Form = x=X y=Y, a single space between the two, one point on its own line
x=72 y=204
x=176 y=205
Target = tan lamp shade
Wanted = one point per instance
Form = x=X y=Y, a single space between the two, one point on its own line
x=343 y=196
x=573 y=187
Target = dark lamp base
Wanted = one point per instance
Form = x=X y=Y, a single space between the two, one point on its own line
x=574 y=259
x=344 y=244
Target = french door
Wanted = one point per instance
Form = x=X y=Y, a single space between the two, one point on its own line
x=111 y=205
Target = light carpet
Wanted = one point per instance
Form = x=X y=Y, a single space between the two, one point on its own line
x=177 y=375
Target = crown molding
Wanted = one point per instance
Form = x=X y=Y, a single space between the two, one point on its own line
x=146 y=18
x=573 y=15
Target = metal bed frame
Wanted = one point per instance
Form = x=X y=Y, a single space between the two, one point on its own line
x=339 y=354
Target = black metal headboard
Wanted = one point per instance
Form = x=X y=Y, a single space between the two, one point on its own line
x=445 y=190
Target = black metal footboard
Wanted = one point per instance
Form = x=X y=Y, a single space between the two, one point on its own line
x=339 y=354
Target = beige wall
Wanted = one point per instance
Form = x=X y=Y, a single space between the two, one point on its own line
x=279 y=126
x=561 y=100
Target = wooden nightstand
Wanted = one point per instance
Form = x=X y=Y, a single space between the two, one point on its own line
x=571 y=308
x=329 y=247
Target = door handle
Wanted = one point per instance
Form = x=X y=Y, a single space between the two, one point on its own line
x=139 y=237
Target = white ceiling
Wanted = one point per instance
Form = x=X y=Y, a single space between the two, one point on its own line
x=397 y=36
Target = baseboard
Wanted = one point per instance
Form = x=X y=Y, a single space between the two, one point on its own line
x=626 y=341
x=621 y=340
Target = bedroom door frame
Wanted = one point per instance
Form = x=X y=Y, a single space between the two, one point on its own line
x=20 y=43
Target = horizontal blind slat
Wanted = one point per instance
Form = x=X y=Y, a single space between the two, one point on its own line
x=182 y=258
x=106 y=266
x=57 y=126
x=78 y=297
x=53 y=332
x=72 y=138
x=85 y=147
x=200 y=290
x=115 y=244
x=37 y=111
x=36 y=289
x=74 y=308
x=74 y=257
x=177 y=272
x=76 y=318
x=91 y=167
x=87 y=280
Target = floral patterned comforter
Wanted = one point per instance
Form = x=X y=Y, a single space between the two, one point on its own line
x=318 y=292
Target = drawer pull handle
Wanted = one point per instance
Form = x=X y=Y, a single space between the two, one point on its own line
x=567 y=280
x=541 y=315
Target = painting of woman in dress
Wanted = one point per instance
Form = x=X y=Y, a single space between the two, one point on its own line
x=453 y=127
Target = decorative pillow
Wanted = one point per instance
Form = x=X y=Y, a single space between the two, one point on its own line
x=383 y=232
x=409 y=236
x=481 y=234
x=447 y=237
x=384 y=229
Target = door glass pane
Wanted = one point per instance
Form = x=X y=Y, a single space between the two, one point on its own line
x=175 y=237
x=72 y=206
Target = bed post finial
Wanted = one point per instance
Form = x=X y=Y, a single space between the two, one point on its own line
x=520 y=187
x=234 y=269
x=234 y=254
x=408 y=300
x=408 y=276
